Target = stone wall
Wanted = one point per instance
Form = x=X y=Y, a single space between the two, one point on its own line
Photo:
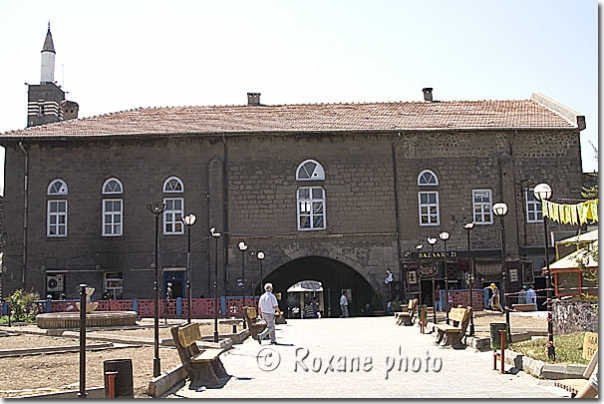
x=574 y=316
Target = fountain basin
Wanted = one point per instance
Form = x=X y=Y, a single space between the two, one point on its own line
x=94 y=319
x=90 y=306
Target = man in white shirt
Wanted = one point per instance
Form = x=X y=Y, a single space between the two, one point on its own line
x=531 y=296
x=344 y=305
x=267 y=306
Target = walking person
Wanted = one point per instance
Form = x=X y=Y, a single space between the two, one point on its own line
x=522 y=295
x=344 y=305
x=531 y=296
x=267 y=308
x=438 y=303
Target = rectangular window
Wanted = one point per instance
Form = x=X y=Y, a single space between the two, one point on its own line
x=113 y=285
x=534 y=213
x=311 y=208
x=174 y=211
x=482 y=204
x=57 y=219
x=428 y=208
x=112 y=217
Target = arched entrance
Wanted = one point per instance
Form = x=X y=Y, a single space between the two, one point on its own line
x=335 y=277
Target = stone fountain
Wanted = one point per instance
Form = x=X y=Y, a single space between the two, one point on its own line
x=93 y=319
x=90 y=306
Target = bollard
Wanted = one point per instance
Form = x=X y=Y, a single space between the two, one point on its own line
x=120 y=370
x=110 y=384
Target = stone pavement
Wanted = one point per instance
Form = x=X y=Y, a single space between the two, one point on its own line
x=364 y=357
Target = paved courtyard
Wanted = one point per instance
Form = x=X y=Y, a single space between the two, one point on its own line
x=364 y=358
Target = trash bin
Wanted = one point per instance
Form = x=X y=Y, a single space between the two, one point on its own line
x=123 y=380
x=496 y=337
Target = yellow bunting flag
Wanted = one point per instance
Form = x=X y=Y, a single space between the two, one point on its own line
x=574 y=220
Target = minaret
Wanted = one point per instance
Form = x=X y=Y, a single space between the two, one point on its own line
x=45 y=100
x=48 y=59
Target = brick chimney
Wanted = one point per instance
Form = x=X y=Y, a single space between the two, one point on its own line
x=427 y=94
x=253 y=99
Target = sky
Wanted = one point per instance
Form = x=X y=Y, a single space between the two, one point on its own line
x=118 y=55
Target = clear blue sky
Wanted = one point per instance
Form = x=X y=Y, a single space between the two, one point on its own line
x=117 y=55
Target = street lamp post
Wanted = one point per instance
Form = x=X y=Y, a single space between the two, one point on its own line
x=242 y=247
x=444 y=236
x=543 y=192
x=216 y=235
x=419 y=271
x=189 y=221
x=468 y=227
x=157 y=210
x=500 y=210
x=432 y=241
x=260 y=257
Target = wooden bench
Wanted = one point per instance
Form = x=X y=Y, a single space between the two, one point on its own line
x=524 y=307
x=590 y=352
x=251 y=319
x=407 y=317
x=204 y=366
x=452 y=334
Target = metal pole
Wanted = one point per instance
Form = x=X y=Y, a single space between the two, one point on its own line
x=188 y=274
x=216 y=288
x=156 y=358
x=433 y=286
x=503 y=282
x=82 y=393
x=242 y=282
x=472 y=328
x=446 y=285
x=551 y=350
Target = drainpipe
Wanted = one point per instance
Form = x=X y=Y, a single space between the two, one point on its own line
x=25 y=213
x=225 y=212
x=397 y=215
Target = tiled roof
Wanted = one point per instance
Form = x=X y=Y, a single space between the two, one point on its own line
x=522 y=114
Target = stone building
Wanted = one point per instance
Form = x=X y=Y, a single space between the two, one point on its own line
x=338 y=193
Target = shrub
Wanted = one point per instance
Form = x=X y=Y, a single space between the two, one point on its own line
x=22 y=306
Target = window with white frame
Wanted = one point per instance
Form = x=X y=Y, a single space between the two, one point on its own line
x=482 y=203
x=174 y=211
x=175 y=207
x=57 y=188
x=112 y=208
x=311 y=208
x=534 y=212
x=428 y=208
x=427 y=178
x=56 y=215
x=429 y=212
x=173 y=185
x=310 y=170
x=57 y=219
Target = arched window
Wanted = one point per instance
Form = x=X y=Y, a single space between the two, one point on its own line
x=427 y=178
x=57 y=187
x=429 y=209
x=56 y=209
x=112 y=186
x=175 y=207
x=310 y=170
x=310 y=200
x=113 y=208
x=173 y=185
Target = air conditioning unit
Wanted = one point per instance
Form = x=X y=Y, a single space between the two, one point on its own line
x=54 y=283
